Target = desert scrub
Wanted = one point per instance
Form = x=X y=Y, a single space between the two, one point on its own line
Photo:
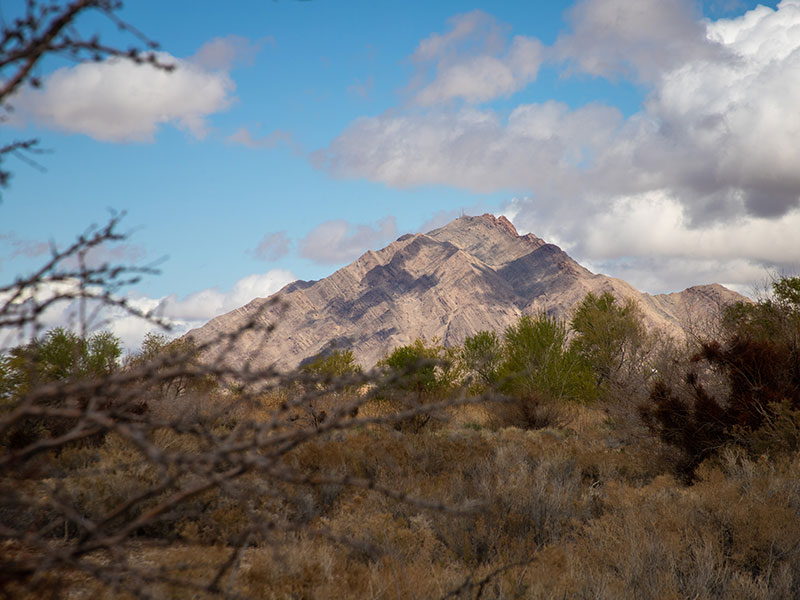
x=734 y=534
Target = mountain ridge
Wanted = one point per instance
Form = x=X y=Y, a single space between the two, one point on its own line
x=472 y=274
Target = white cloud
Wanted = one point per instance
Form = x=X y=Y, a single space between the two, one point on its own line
x=484 y=78
x=335 y=242
x=472 y=62
x=64 y=309
x=706 y=173
x=183 y=313
x=667 y=274
x=648 y=240
x=638 y=39
x=116 y=100
x=728 y=130
x=474 y=24
x=206 y=304
x=669 y=234
x=471 y=148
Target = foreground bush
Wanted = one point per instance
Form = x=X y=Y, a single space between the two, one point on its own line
x=755 y=403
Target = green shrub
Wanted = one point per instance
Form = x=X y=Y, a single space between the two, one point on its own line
x=418 y=374
x=481 y=356
x=332 y=366
x=59 y=355
x=611 y=338
x=538 y=361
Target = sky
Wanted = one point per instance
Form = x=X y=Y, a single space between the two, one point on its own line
x=655 y=141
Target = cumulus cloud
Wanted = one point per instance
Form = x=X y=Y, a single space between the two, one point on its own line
x=667 y=274
x=116 y=100
x=474 y=149
x=475 y=24
x=473 y=62
x=648 y=240
x=705 y=171
x=641 y=39
x=206 y=304
x=334 y=242
x=183 y=313
x=197 y=308
x=82 y=315
x=272 y=246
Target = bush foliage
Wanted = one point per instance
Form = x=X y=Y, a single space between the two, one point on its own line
x=755 y=372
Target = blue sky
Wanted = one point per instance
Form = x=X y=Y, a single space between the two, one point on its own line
x=653 y=140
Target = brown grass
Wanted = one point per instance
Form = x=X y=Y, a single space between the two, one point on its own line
x=570 y=512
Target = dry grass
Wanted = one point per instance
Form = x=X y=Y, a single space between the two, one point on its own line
x=568 y=512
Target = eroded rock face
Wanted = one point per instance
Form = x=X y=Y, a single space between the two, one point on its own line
x=473 y=274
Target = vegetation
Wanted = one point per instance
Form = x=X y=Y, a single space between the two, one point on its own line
x=537 y=359
x=417 y=376
x=613 y=342
x=336 y=364
x=510 y=467
x=488 y=470
x=59 y=355
x=744 y=387
x=481 y=356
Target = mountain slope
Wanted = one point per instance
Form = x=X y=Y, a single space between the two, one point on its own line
x=474 y=273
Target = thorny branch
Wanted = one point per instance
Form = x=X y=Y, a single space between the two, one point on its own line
x=244 y=461
x=164 y=462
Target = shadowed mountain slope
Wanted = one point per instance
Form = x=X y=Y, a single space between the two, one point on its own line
x=474 y=273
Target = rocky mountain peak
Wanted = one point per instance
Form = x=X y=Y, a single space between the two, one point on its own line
x=494 y=240
x=502 y=222
x=474 y=273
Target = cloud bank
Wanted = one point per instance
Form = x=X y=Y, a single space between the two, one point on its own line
x=183 y=313
x=706 y=173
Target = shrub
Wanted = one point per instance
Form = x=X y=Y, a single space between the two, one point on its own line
x=530 y=411
x=161 y=355
x=332 y=366
x=417 y=374
x=537 y=361
x=59 y=355
x=611 y=338
x=759 y=362
x=481 y=356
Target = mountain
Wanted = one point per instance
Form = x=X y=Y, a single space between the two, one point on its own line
x=475 y=273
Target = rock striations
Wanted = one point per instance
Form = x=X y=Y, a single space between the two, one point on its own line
x=472 y=274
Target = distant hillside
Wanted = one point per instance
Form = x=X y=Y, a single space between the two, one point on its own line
x=474 y=273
